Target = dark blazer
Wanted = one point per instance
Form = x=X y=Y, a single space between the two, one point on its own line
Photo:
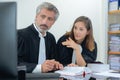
x=28 y=47
x=65 y=54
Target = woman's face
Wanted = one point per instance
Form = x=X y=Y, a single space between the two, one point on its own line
x=80 y=31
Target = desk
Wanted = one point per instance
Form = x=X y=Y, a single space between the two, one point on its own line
x=44 y=79
x=42 y=76
x=87 y=77
x=70 y=79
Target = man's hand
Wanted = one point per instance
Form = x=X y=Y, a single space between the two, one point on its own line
x=50 y=65
x=58 y=65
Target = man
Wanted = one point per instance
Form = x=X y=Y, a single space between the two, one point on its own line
x=39 y=58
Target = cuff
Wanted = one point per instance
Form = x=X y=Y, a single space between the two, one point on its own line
x=37 y=69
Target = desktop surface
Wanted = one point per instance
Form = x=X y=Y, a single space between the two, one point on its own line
x=44 y=76
x=52 y=76
x=56 y=76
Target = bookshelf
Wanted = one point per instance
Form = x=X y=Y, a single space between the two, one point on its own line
x=114 y=39
x=113 y=32
x=111 y=52
x=113 y=18
x=114 y=12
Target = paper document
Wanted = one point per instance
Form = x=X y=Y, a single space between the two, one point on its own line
x=74 y=71
x=110 y=73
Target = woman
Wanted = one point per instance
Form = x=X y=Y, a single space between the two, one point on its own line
x=78 y=43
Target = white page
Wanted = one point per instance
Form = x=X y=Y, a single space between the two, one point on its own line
x=109 y=73
x=73 y=71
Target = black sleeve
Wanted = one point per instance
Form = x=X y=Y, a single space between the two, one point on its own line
x=90 y=56
x=23 y=54
x=54 y=49
x=64 y=53
x=50 y=46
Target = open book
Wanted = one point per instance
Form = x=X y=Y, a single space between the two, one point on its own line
x=74 y=71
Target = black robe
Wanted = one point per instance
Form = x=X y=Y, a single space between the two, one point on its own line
x=28 y=47
x=65 y=54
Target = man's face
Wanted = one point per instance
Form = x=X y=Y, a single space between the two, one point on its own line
x=45 y=19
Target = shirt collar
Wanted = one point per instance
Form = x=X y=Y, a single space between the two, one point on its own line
x=40 y=35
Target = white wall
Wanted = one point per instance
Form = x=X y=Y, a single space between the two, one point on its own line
x=69 y=11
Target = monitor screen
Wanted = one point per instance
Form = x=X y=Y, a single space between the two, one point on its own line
x=8 y=39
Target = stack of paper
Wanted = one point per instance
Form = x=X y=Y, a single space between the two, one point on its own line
x=114 y=5
x=74 y=71
x=115 y=27
x=97 y=67
x=110 y=73
x=114 y=43
x=114 y=61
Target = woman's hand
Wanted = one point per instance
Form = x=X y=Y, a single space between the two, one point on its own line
x=70 y=43
x=72 y=65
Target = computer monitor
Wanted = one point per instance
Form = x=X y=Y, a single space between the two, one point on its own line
x=8 y=39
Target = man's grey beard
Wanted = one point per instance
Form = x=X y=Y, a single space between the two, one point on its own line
x=40 y=30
